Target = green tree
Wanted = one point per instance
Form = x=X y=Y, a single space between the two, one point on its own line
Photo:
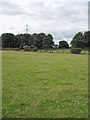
x=41 y=41
x=78 y=41
x=22 y=40
x=19 y=40
x=26 y=39
x=49 y=41
x=34 y=40
x=63 y=44
x=8 y=40
x=87 y=39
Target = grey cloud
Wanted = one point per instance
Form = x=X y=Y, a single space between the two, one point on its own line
x=8 y=8
x=62 y=20
x=68 y=12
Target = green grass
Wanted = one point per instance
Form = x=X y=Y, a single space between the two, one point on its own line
x=44 y=85
x=66 y=51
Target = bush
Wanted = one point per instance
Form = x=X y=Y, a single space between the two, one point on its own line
x=14 y=49
x=27 y=49
x=30 y=49
x=50 y=51
x=75 y=50
x=6 y=49
x=34 y=49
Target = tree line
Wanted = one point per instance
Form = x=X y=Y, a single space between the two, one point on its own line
x=43 y=41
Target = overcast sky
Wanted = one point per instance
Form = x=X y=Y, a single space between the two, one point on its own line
x=62 y=18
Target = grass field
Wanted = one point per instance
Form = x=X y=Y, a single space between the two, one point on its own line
x=44 y=85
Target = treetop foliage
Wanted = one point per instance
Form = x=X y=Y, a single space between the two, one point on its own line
x=43 y=41
x=81 y=40
x=63 y=44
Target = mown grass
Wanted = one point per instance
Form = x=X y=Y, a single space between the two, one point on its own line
x=44 y=85
x=66 y=51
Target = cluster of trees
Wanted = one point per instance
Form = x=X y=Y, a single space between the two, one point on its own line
x=41 y=40
x=81 y=40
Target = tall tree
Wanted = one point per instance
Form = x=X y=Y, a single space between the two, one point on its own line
x=8 y=40
x=49 y=41
x=22 y=40
x=34 y=39
x=19 y=40
x=81 y=40
x=87 y=39
x=77 y=41
x=41 y=40
x=26 y=39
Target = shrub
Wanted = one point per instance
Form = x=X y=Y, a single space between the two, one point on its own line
x=6 y=49
x=50 y=51
x=75 y=50
x=15 y=49
x=27 y=49
x=30 y=49
x=34 y=49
